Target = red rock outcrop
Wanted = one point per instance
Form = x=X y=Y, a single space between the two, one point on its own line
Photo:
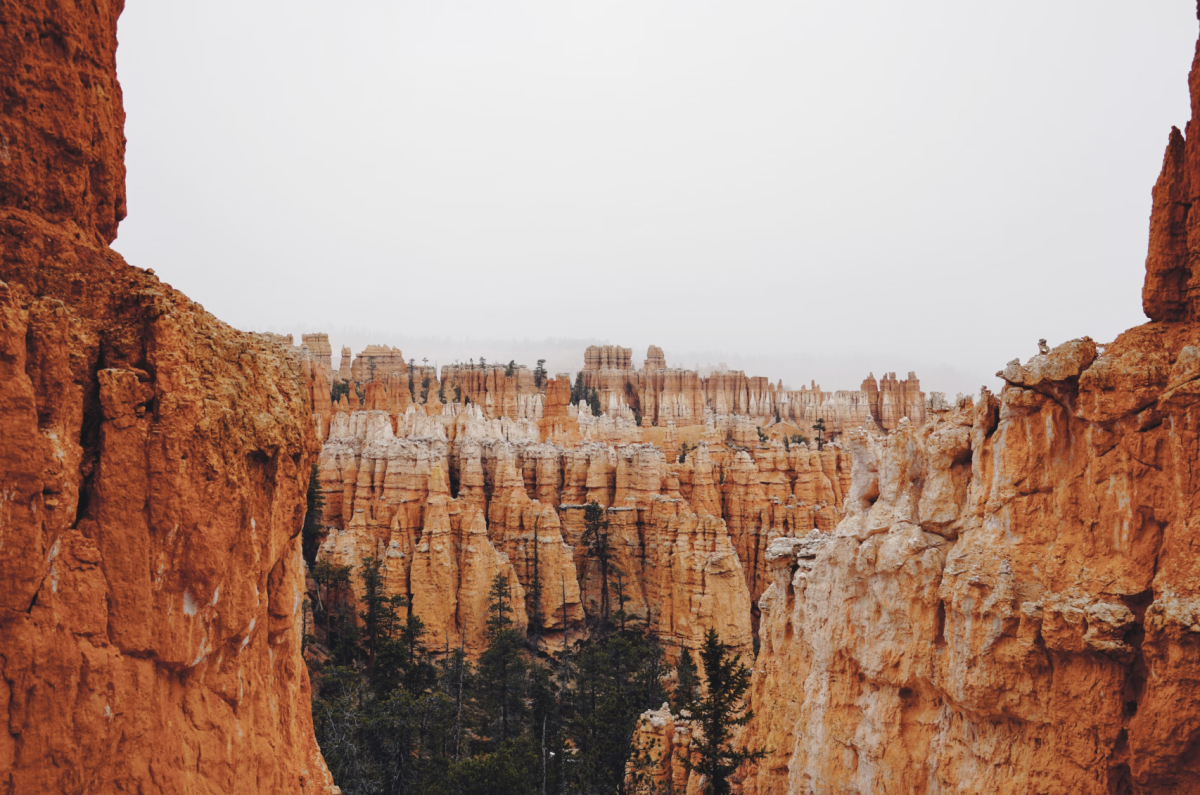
x=376 y=362
x=495 y=390
x=655 y=359
x=607 y=357
x=661 y=756
x=318 y=345
x=152 y=474
x=1012 y=603
x=892 y=400
x=664 y=395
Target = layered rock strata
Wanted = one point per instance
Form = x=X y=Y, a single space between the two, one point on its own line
x=665 y=395
x=689 y=537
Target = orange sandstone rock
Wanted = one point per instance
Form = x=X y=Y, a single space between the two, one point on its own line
x=152 y=474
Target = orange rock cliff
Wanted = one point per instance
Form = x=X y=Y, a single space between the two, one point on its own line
x=999 y=594
x=153 y=465
x=1012 y=601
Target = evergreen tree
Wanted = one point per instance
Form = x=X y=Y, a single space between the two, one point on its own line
x=615 y=680
x=594 y=402
x=502 y=669
x=687 y=683
x=534 y=594
x=333 y=585
x=539 y=373
x=618 y=587
x=595 y=538
x=379 y=618
x=819 y=427
x=506 y=771
x=511 y=368
x=720 y=710
x=419 y=672
x=412 y=389
x=315 y=503
x=762 y=436
x=578 y=393
x=338 y=389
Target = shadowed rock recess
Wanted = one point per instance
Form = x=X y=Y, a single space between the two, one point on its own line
x=997 y=593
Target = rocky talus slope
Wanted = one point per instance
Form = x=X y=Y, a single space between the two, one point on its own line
x=153 y=463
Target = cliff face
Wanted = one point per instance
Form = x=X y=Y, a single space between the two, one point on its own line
x=152 y=474
x=1012 y=602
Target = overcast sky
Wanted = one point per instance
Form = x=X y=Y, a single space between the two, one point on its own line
x=814 y=187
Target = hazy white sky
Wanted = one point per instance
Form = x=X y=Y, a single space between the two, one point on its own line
x=826 y=186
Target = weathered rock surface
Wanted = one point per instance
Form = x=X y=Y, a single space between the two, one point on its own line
x=1011 y=602
x=662 y=752
x=152 y=474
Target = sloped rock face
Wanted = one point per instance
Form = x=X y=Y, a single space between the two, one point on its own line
x=1011 y=603
x=152 y=474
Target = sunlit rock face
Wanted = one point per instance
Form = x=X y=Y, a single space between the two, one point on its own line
x=153 y=463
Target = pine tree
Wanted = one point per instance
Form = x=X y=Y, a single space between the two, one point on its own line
x=502 y=667
x=315 y=503
x=379 y=617
x=819 y=427
x=539 y=373
x=332 y=584
x=534 y=594
x=720 y=710
x=619 y=589
x=615 y=679
x=419 y=672
x=595 y=537
x=687 y=683
x=594 y=402
x=578 y=394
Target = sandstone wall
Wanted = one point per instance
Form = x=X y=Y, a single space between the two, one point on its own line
x=690 y=537
x=152 y=474
x=1012 y=602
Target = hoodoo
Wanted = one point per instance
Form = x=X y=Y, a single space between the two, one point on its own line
x=998 y=593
